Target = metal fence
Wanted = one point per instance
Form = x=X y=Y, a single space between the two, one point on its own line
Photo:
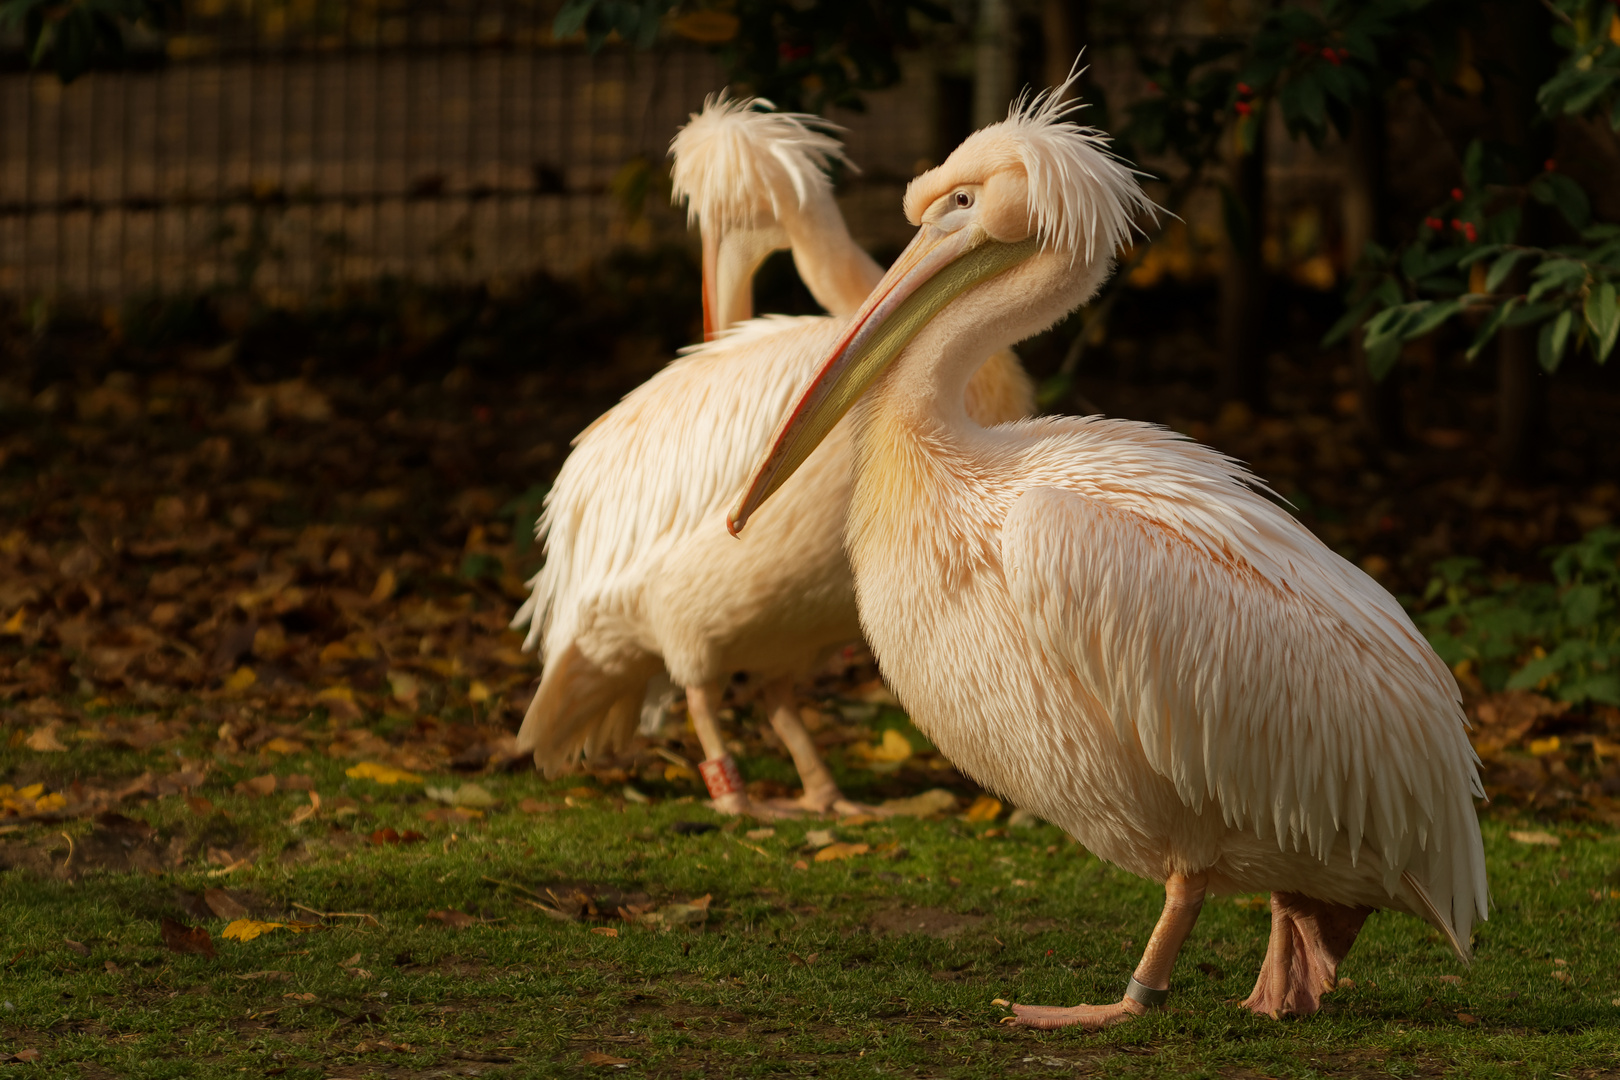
x=433 y=142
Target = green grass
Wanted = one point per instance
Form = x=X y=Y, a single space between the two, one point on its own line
x=527 y=995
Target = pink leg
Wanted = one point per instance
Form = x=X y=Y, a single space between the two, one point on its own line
x=719 y=770
x=821 y=792
x=1183 y=899
x=1309 y=939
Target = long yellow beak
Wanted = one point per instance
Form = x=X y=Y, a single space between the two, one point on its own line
x=731 y=257
x=935 y=269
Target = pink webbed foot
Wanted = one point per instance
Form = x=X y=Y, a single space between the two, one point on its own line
x=1309 y=939
x=1090 y=1017
x=738 y=804
x=827 y=800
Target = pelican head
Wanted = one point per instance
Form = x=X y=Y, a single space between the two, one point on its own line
x=1017 y=228
x=748 y=175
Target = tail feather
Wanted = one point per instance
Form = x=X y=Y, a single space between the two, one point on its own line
x=579 y=711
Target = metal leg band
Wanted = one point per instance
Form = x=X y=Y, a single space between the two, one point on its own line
x=1145 y=996
x=721 y=776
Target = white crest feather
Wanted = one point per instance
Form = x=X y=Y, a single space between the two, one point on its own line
x=735 y=161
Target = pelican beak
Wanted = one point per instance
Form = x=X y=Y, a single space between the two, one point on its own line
x=935 y=269
x=730 y=259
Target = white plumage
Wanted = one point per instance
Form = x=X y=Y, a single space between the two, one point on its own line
x=639 y=571
x=1112 y=625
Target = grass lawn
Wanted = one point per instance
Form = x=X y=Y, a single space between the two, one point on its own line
x=885 y=963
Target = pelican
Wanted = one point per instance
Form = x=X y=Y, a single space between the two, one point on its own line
x=639 y=573
x=1111 y=624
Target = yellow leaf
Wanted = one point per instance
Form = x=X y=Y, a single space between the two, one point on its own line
x=935 y=801
x=32 y=791
x=279 y=745
x=708 y=27
x=678 y=772
x=14 y=625
x=336 y=652
x=386 y=582
x=1537 y=838
x=248 y=929
x=477 y=692
x=841 y=851
x=335 y=693
x=54 y=801
x=240 y=680
x=1614 y=29
x=984 y=808
x=383 y=774
x=1543 y=747
x=895 y=747
x=44 y=740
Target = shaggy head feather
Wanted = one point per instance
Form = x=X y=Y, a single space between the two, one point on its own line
x=736 y=162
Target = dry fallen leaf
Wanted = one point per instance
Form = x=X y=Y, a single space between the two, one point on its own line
x=984 y=808
x=818 y=838
x=837 y=851
x=1537 y=837
x=268 y=976
x=382 y=774
x=21 y=1057
x=44 y=740
x=455 y=920
x=937 y=801
x=304 y=813
x=393 y=836
x=259 y=785
x=605 y=931
x=373 y=1046
x=180 y=938
x=466 y=795
x=1467 y=1018
x=535 y=806
x=596 y=1057
x=77 y=946
x=224 y=905
x=300 y=997
x=248 y=929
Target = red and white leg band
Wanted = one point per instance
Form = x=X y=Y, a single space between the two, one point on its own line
x=722 y=777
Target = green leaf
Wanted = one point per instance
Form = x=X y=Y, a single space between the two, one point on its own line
x=1554 y=340
x=1603 y=316
x=1488 y=329
x=1557 y=189
x=1381 y=358
x=1501 y=268
x=1558 y=273
x=1426 y=321
x=571 y=18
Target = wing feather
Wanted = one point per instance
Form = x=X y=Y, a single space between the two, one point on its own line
x=1257 y=669
x=664 y=461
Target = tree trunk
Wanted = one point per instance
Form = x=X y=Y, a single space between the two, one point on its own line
x=1065 y=30
x=1243 y=284
x=1382 y=414
x=994 y=62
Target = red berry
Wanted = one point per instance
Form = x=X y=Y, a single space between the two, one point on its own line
x=1243 y=108
x=1244 y=88
x=1457 y=194
x=1551 y=164
x=1153 y=87
x=1434 y=223
x=1470 y=232
x=1331 y=57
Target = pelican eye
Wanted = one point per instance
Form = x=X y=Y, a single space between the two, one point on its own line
x=963 y=200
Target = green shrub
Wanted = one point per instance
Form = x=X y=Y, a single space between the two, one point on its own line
x=1562 y=638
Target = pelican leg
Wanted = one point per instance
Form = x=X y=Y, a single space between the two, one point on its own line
x=1309 y=939
x=821 y=792
x=1183 y=899
x=718 y=768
